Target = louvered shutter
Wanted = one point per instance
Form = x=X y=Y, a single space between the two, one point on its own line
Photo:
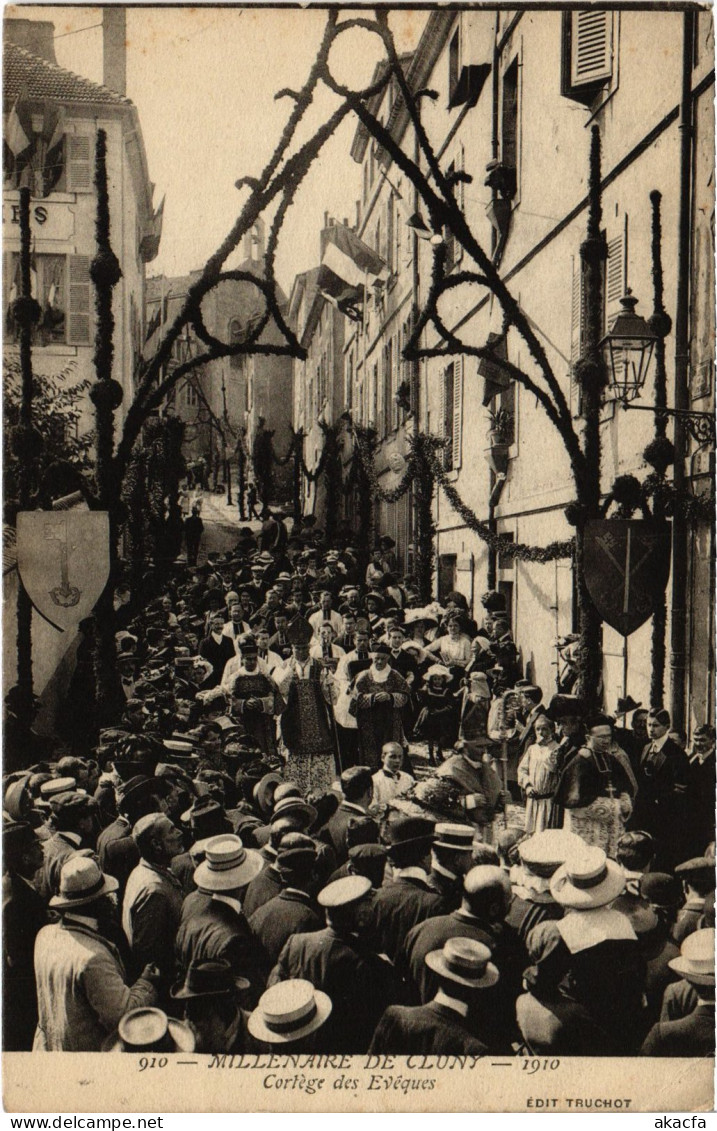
x=79 y=299
x=615 y=273
x=457 y=412
x=591 y=53
x=79 y=163
x=460 y=198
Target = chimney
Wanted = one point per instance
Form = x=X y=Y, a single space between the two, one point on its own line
x=36 y=36
x=114 y=48
x=254 y=242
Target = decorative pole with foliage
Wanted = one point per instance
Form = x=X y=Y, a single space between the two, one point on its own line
x=660 y=453
x=591 y=374
x=27 y=445
x=298 y=470
x=106 y=395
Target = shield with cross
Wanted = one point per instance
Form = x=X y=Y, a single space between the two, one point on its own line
x=627 y=565
x=63 y=558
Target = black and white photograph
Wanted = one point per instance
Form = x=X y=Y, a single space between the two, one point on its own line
x=358 y=557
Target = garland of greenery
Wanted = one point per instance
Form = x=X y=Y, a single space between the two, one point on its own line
x=498 y=542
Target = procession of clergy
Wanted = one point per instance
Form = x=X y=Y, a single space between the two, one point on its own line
x=254 y=858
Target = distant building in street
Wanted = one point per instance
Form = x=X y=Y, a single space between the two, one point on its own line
x=51 y=118
x=224 y=398
x=318 y=382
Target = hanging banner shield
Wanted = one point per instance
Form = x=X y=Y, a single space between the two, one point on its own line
x=63 y=558
x=626 y=566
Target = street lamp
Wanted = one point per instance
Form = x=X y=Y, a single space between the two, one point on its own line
x=627 y=351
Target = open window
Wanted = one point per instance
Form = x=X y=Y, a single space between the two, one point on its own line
x=61 y=285
x=588 y=53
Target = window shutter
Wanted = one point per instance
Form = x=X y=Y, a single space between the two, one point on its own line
x=457 y=412
x=79 y=163
x=78 y=307
x=460 y=199
x=615 y=273
x=442 y=419
x=591 y=54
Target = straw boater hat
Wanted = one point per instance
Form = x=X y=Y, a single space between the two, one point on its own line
x=459 y=838
x=540 y=857
x=344 y=892
x=696 y=960
x=587 y=880
x=288 y=1011
x=149 y=1030
x=48 y=789
x=227 y=864
x=81 y=882
x=464 y=961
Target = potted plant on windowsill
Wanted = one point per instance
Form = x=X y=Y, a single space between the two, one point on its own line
x=501 y=437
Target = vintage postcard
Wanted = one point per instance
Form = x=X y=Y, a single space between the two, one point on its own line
x=358 y=573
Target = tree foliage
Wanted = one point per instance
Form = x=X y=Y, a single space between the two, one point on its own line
x=61 y=454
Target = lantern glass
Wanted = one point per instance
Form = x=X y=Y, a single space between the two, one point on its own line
x=627 y=351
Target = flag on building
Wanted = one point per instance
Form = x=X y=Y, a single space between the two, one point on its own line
x=53 y=137
x=350 y=259
x=348 y=266
x=19 y=140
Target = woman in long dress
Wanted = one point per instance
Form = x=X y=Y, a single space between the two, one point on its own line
x=538 y=776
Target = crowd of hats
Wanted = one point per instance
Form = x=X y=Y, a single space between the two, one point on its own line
x=171 y=750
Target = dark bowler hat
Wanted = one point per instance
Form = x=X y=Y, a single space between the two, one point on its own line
x=296 y=851
x=409 y=831
x=149 y=1030
x=661 y=889
x=299 y=631
x=624 y=706
x=208 y=979
x=17 y=836
x=207 y=818
x=378 y=648
x=699 y=867
x=565 y=707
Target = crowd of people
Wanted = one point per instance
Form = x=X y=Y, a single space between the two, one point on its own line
x=332 y=818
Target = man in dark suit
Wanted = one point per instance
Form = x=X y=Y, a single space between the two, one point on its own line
x=486 y=895
x=357 y=788
x=701 y=791
x=24 y=914
x=293 y=911
x=213 y=925
x=693 y=1034
x=73 y=819
x=118 y=854
x=408 y=899
x=336 y=961
x=451 y=860
x=448 y=1025
x=217 y=648
x=531 y=702
x=662 y=785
